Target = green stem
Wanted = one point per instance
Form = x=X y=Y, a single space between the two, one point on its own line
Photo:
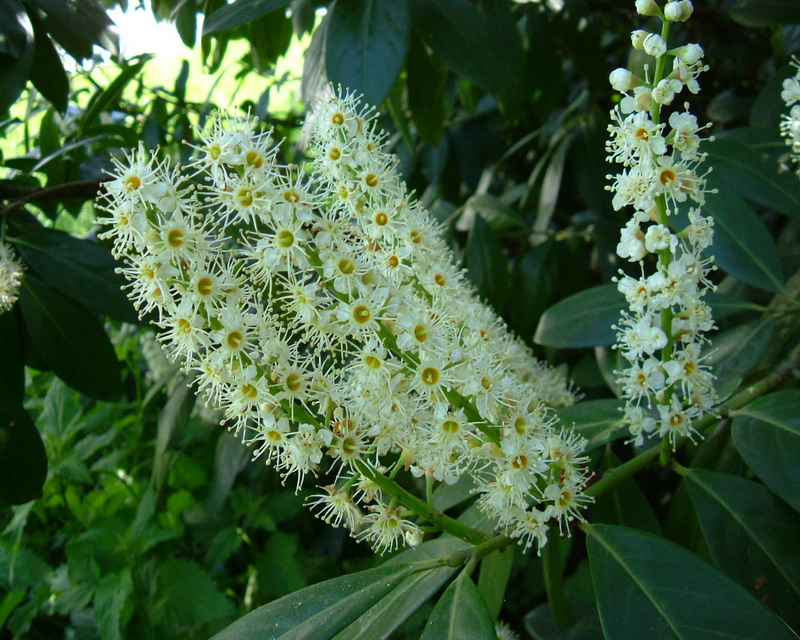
x=612 y=477
x=422 y=508
x=552 y=566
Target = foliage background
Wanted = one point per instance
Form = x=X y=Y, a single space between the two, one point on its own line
x=136 y=516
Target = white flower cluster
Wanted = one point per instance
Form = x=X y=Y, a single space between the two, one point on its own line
x=666 y=386
x=11 y=271
x=790 y=123
x=325 y=316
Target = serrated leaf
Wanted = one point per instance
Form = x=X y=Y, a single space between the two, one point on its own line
x=79 y=268
x=742 y=244
x=599 y=421
x=751 y=537
x=109 y=600
x=460 y=614
x=648 y=587
x=239 y=13
x=767 y=435
x=319 y=611
x=23 y=461
x=70 y=340
x=185 y=595
x=582 y=320
x=366 y=45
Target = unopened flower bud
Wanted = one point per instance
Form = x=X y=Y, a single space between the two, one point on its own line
x=637 y=39
x=654 y=45
x=647 y=7
x=623 y=80
x=678 y=10
x=689 y=54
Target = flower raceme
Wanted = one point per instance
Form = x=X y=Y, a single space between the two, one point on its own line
x=666 y=385
x=11 y=272
x=790 y=122
x=325 y=316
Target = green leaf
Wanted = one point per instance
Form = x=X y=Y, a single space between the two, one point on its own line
x=383 y=618
x=16 y=66
x=104 y=98
x=171 y=421
x=742 y=244
x=12 y=365
x=767 y=434
x=319 y=611
x=279 y=570
x=467 y=41
x=79 y=268
x=185 y=595
x=751 y=536
x=47 y=73
x=425 y=90
x=625 y=503
x=77 y=25
x=735 y=352
x=582 y=320
x=762 y=13
x=599 y=421
x=486 y=263
x=70 y=340
x=648 y=587
x=23 y=461
x=493 y=578
x=460 y=614
x=314 y=62
x=533 y=281
x=239 y=13
x=754 y=175
x=109 y=602
x=366 y=45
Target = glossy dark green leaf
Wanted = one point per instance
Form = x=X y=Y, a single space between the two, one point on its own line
x=425 y=90
x=533 y=280
x=648 y=587
x=239 y=13
x=314 y=63
x=12 y=365
x=625 y=503
x=23 y=461
x=382 y=619
x=460 y=614
x=599 y=421
x=493 y=578
x=762 y=13
x=79 y=268
x=16 y=61
x=366 y=45
x=755 y=176
x=486 y=263
x=269 y=38
x=735 y=352
x=47 y=73
x=319 y=611
x=77 y=25
x=582 y=320
x=742 y=244
x=751 y=536
x=767 y=434
x=71 y=340
x=466 y=41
